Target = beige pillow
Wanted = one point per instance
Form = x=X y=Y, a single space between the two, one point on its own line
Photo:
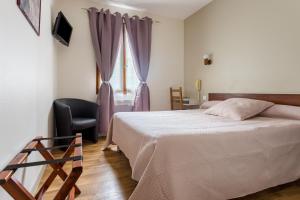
x=209 y=104
x=282 y=111
x=239 y=108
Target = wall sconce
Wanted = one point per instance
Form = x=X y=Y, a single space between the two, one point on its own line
x=207 y=59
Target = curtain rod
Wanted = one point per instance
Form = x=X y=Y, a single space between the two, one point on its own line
x=155 y=21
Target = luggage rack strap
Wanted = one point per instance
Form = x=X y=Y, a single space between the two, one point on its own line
x=57 y=138
x=46 y=162
x=50 y=148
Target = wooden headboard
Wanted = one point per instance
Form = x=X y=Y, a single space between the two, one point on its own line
x=286 y=99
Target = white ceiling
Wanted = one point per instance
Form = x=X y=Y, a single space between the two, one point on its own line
x=179 y=9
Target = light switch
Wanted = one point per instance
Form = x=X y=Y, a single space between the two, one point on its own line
x=204 y=98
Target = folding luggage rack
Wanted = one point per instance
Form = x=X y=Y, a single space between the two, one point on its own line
x=68 y=188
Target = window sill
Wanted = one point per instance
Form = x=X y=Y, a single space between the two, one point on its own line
x=124 y=102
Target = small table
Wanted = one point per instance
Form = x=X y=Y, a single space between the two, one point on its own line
x=191 y=106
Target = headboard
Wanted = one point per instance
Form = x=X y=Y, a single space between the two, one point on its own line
x=285 y=99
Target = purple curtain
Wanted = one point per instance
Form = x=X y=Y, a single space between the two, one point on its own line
x=106 y=32
x=139 y=34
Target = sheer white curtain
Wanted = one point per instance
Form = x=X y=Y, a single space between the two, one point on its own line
x=124 y=97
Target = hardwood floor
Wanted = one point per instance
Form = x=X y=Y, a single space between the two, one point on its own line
x=106 y=176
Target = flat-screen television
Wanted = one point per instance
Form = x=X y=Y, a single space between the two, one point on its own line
x=62 y=30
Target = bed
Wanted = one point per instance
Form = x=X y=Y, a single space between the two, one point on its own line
x=187 y=155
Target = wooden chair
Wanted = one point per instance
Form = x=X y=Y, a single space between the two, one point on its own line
x=177 y=102
x=176 y=99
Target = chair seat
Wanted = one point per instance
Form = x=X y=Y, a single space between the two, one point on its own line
x=83 y=123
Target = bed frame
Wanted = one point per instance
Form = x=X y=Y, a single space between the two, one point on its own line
x=285 y=99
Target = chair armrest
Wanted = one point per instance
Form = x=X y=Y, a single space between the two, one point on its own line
x=63 y=118
x=63 y=110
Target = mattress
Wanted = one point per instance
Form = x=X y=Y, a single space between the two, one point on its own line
x=178 y=155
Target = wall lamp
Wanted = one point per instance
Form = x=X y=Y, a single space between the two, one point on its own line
x=207 y=59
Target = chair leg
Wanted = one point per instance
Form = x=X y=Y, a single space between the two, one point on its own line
x=94 y=134
x=91 y=134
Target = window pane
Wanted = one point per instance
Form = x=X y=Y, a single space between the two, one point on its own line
x=116 y=79
x=132 y=80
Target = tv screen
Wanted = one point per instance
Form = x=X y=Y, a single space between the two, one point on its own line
x=62 y=29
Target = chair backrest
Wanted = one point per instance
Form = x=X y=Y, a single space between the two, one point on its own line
x=176 y=98
x=79 y=107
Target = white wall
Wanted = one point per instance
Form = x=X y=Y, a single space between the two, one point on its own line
x=27 y=84
x=77 y=63
x=255 y=46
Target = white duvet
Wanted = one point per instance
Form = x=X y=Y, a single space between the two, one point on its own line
x=187 y=155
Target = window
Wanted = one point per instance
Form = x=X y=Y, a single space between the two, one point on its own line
x=124 y=80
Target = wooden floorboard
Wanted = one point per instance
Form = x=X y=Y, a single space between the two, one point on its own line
x=107 y=176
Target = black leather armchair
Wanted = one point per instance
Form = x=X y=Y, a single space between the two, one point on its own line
x=75 y=116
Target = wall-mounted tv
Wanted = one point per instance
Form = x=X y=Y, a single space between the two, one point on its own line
x=62 y=30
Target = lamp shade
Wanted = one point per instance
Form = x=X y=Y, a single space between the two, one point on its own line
x=198 y=85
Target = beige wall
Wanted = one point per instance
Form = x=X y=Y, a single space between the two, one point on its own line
x=255 y=46
x=27 y=85
x=77 y=62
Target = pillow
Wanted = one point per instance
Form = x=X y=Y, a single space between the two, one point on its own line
x=282 y=111
x=208 y=104
x=239 y=108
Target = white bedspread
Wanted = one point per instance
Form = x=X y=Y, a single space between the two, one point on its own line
x=187 y=155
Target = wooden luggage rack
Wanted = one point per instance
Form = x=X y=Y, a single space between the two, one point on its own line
x=68 y=188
